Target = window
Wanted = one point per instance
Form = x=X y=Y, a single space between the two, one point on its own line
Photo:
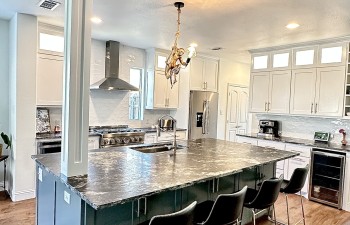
x=332 y=55
x=281 y=60
x=260 y=62
x=135 y=98
x=304 y=57
x=51 y=42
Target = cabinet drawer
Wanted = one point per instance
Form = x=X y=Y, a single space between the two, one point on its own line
x=246 y=140
x=304 y=151
x=271 y=144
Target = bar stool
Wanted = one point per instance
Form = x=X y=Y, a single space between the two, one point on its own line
x=183 y=217
x=226 y=209
x=293 y=186
x=265 y=197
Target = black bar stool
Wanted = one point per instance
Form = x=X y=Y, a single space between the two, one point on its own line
x=264 y=198
x=183 y=217
x=293 y=186
x=226 y=209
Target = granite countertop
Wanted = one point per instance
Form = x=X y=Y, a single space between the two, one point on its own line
x=120 y=174
x=300 y=141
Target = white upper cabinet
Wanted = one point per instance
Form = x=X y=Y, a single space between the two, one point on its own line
x=159 y=94
x=259 y=91
x=204 y=74
x=279 y=95
x=261 y=62
x=49 y=80
x=303 y=91
x=332 y=55
x=318 y=92
x=281 y=60
x=305 y=57
x=330 y=91
x=270 y=92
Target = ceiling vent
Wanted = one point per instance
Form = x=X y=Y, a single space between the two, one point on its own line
x=49 y=4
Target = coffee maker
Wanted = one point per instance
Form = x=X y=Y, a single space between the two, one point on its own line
x=268 y=128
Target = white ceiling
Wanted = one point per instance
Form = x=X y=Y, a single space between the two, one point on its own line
x=235 y=25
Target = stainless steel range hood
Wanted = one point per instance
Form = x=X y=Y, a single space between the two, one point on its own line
x=112 y=80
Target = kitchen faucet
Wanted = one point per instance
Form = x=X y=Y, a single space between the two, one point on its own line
x=174 y=129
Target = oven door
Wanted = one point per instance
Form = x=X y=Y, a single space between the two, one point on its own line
x=45 y=147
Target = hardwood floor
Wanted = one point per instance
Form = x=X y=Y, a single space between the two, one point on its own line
x=23 y=213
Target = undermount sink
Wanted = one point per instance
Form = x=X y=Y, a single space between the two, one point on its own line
x=155 y=148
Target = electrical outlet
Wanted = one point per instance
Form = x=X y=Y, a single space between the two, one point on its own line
x=66 y=197
x=40 y=174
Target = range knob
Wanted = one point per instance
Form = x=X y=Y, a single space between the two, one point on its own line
x=118 y=140
x=111 y=141
x=137 y=139
x=105 y=141
x=132 y=139
x=140 y=139
x=126 y=140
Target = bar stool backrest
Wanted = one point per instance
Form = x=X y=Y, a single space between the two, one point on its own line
x=267 y=194
x=227 y=208
x=183 y=217
x=297 y=181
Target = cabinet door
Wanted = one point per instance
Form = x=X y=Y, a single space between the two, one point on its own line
x=210 y=76
x=93 y=143
x=299 y=162
x=279 y=92
x=303 y=91
x=196 y=77
x=49 y=81
x=271 y=144
x=330 y=91
x=160 y=89
x=45 y=197
x=332 y=55
x=261 y=62
x=259 y=92
x=246 y=140
x=173 y=95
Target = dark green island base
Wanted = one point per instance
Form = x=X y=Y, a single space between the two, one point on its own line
x=124 y=186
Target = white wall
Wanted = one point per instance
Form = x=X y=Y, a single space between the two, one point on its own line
x=304 y=127
x=23 y=48
x=230 y=72
x=4 y=84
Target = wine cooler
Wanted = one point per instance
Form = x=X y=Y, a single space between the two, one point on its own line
x=326 y=181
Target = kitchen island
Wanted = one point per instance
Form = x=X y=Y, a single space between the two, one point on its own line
x=124 y=186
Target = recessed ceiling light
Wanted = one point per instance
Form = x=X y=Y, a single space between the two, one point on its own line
x=292 y=26
x=96 y=20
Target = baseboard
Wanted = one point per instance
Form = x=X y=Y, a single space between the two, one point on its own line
x=23 y=195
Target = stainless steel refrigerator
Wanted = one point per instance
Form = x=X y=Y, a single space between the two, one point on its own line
x=203 y=114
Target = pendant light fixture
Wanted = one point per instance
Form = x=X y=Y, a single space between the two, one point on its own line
x=174 y=62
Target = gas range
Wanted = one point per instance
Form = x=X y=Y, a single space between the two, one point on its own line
x=121 y=135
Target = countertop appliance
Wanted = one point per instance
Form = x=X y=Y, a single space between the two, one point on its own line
x=121 y=135
x=203 y=114
x=45 y=146
x=268 y=128
x=321 y=136
x=326 y=176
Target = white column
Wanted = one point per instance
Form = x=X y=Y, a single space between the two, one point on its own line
x=75 y=112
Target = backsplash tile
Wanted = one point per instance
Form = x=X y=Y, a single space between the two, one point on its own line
x=304 y=127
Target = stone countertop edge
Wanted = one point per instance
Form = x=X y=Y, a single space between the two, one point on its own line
x=70 y=184
x=299 y=141
x=154 y=130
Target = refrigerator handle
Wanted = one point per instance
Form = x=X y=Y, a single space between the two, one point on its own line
x=207 y=118
x=204 y=120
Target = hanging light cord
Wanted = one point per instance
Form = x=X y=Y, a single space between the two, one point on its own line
x=177 y=35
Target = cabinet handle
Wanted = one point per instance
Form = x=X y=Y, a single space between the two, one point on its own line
x=268 y=106
x=265 y=106
x=316 y=108
x=312 y=107
x=206 y=85
x=203 y=85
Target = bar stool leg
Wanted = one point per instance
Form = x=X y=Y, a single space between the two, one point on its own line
x=302 y=207
x=287 y=207
x=253 y=216
x=274 y=214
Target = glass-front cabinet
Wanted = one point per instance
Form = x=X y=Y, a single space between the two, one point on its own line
x=305 y=57
x=281 y=60
x=332 y=54
x=261 y=62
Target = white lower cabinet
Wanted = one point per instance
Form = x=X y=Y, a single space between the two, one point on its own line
x=93 y=142
x=298 y=162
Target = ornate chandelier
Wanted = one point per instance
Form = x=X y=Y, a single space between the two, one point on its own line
x=174 y=61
